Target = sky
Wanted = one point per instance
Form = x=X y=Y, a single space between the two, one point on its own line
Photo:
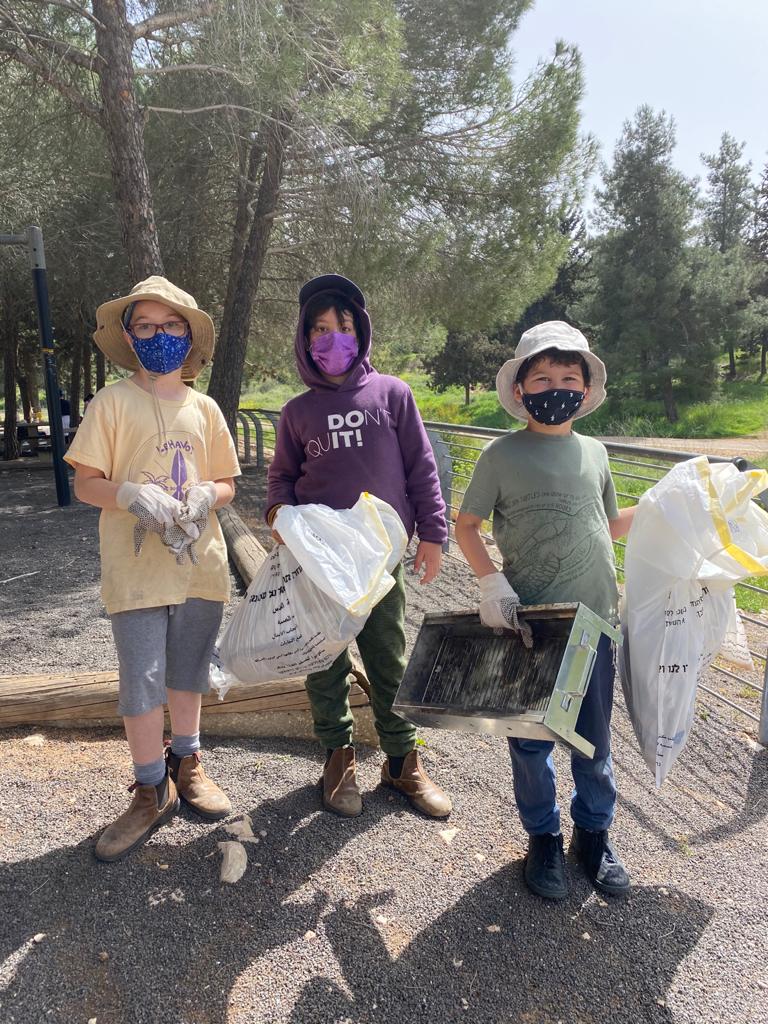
x=702 y=61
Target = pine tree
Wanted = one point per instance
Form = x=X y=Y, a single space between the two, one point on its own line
x=559 y=300
x=641 y=272
x=729 y=196
x=727 y=207
x=468 y=358
x=758 y=239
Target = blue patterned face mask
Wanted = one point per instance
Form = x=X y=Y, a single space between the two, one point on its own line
x=553 y=407
x=162 y=353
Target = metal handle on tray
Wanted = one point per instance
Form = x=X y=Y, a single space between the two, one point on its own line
x=584 y=681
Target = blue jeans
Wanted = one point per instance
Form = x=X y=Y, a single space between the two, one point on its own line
x=594 y=797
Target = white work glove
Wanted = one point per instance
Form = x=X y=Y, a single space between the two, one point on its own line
x=192 y=515
x=150 y=498
x=499 y=604
x=155 y=510
x=189 y=521
x=198 y=501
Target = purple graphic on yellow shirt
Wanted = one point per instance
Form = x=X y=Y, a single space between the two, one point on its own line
x=169 y=462
x=179 y=475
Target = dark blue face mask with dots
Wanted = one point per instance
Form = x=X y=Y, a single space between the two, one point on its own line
x=552 y=407
x=162 y=353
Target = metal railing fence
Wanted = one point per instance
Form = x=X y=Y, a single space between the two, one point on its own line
x=456 y=456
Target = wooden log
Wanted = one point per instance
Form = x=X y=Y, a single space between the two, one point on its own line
x=242 y=547
x=92 y=696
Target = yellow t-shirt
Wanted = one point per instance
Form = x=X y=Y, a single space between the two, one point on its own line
x=121 y=436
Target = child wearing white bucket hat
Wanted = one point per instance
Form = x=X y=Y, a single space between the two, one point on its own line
x=551 y=497
x=156 y=457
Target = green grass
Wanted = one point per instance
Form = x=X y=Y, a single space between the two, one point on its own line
x=269 y=395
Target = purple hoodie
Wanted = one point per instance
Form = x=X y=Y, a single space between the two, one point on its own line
x=364 y=434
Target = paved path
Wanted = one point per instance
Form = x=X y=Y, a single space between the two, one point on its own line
x=730 y=447
x=373 y=920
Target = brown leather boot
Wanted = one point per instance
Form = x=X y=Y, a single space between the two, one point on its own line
x=195 y=788
x=421 y=791
x=137 y=824
x=340 y=792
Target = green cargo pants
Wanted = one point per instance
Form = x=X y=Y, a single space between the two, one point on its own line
x=381 y=643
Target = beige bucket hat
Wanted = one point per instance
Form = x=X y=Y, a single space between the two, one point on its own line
x=552 y=334
x=109 y=325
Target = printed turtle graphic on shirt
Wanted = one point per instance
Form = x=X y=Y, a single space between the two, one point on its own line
x=556 y=550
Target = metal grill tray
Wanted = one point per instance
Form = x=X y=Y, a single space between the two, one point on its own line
x=464 y=676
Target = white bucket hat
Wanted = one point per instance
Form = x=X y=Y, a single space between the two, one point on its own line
x=552 y=334
x=109 y=325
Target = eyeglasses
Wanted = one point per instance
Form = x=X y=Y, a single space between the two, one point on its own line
x=176 y=328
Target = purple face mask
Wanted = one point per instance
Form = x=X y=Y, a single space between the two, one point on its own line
x=334 y=352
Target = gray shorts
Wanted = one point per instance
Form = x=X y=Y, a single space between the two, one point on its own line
x=169 y=646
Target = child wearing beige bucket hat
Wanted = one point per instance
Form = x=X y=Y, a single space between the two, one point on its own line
x=554 y=514
x=157 y=458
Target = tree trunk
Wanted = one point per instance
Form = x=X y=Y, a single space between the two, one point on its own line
x=123 y=123
x=227 y=372
x=645 y=376
x=731 y=360
x=467 y=398
x=246 y=186
x=24 y=392
x=763 y=355
x=30 y=372
x=11 y=446
x=87 y=373
x=101 y=370
x=670 y=405
x=74 y=382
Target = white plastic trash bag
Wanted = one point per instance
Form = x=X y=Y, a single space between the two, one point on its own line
x=393 y=524
x=285 y=627
x=314 y=593
x=695 y=534
x=734 y=650
x=348 y=552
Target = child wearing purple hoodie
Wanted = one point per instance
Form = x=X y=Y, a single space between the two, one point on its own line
x=358 y=430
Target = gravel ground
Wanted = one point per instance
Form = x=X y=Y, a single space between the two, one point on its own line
x=372 y=920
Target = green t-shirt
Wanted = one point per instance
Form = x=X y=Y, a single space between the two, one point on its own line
x=551 y=497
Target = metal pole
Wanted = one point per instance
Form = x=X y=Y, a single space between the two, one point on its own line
x=444 y=464
x=36 y=254
x=762 y=729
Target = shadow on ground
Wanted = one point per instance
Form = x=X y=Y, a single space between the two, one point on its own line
x=178 y=941
x=491 y=961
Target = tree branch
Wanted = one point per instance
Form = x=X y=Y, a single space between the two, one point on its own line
x=79 y=11
x=172 y=68
x=204 y=110
x=70 y=93
x=67 y=52
x=170 y=20
x=8 y=23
